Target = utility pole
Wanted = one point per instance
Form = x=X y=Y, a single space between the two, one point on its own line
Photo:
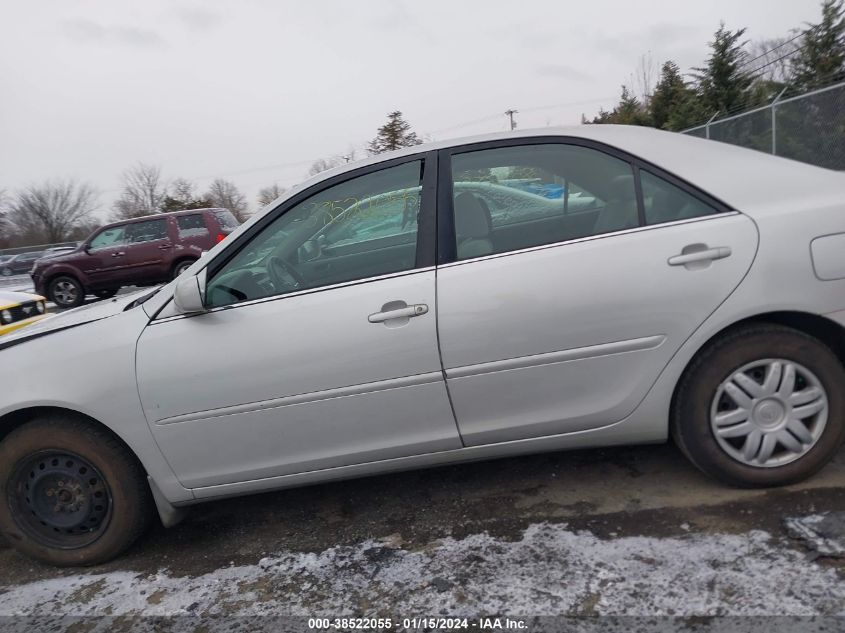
x=509 y=114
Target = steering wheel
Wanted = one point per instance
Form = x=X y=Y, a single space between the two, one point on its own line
x=281 y=274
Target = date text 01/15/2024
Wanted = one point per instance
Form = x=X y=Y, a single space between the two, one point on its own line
x=437 y=623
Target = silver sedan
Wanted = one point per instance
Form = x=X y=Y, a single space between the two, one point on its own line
x=471 y=299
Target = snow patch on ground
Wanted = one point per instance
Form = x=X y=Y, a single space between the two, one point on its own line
x=550 y=570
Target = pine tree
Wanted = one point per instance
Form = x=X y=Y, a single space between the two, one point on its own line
x=673 y=103
x=821 y=55
x=629 y=111
x=394 y=134
x=723 y=84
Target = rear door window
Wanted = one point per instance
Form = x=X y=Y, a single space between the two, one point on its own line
x=515 y=197
x=146 y=231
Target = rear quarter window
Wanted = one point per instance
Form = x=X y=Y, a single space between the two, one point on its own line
x=191 y=226
x=225 y=218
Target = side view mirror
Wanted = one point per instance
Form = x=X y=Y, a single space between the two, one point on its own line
x=189 y=294
x=86 y=248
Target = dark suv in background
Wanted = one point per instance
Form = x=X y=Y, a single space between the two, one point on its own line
x=19 y=264
x=144 y=251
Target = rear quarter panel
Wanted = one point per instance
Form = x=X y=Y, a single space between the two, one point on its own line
x=781 y=278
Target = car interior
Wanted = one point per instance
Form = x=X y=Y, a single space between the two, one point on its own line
x=367 y=226
x=364 y=227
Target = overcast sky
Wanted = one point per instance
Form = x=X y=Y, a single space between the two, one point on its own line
x=255 y=90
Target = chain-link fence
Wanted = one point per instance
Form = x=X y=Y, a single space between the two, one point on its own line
x=809 y=127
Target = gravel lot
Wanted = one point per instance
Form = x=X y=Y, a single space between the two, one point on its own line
x=633 y=531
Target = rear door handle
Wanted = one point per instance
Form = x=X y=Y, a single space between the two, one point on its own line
x=708 y=254
x=164 y=247
x=415 y=310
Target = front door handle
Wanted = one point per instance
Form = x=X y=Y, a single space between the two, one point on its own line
x=120 y=254
x=703 y=255
x=406 y=312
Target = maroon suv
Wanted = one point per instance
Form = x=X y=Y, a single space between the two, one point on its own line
x=148 y=250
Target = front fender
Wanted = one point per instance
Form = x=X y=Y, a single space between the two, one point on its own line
x=89 y=369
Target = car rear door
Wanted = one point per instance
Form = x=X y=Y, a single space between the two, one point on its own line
x=149 y=248
x=295 y=368
x=551 y=325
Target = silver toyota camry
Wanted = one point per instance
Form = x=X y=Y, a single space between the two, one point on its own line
x=471 y=299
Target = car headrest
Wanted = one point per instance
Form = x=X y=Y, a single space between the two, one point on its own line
x=471 y=219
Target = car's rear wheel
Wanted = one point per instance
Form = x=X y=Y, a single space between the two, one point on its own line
x=761 y=406
x=66 y=292
x=182 y=266
x=105 y=294
x=72 y=494
x=7 y=272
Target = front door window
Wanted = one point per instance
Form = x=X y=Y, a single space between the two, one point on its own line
x=363 y=227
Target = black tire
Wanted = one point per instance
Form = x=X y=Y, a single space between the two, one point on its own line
x=7 y=272
x=181 y=266
x=105 y=294
x=66 y=291
x=691 y=408
x=30 y=454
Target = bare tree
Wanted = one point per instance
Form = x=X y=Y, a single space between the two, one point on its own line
x=323 y=164
x=52 y=211
x=225 y=194
x=182 y=190
x=266 y=195
x=771 y=60
x=181 y=195
x=5 y=225
x=644 y=81
x=143 y=192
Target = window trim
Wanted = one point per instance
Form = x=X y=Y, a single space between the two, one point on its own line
x=590 y=238
x=289 y=295
x=446 y=241
x=426 y=222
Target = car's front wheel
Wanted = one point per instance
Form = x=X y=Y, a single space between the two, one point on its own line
x=7 y=272
x=182 y=266
x=761 y=406
x=66 y=292
x=105 y=294
x=72 y=494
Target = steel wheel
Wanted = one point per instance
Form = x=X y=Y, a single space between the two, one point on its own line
x=61 y=499
x=769 y=413
x=7 y=272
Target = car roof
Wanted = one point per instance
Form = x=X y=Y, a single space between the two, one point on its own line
x=745 y=179
x=153 y=216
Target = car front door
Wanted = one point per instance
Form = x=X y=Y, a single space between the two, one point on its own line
x=300 y=363
x=558 y=313
x=105 y=256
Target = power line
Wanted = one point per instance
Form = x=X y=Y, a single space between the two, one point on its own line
x=781 y=45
